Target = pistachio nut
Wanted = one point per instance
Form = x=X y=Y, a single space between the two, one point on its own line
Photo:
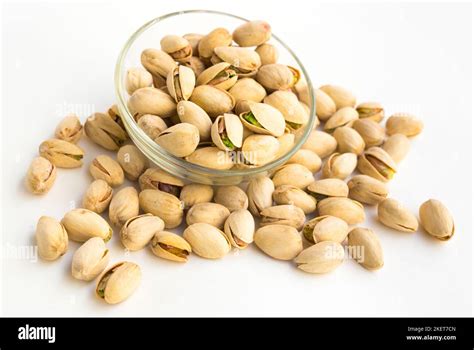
x=124 y=205
x=150 y=100
x=259 y=192
x=90 y=260
x=436 y=219
x=211 y=157
x=243 y=61
x=40 y=176
x=397 y=146
x=287 y=142
x=371 y=132
x=262 y=118
x=323 y=257
x=114 y=113
x=293 y=174
x=285 y=214
x=365 y=248
x=82 y=224
x=252 y=33
x=347 y=209
x=157 y=62
x=287 y=194
x=180 y=140
x=98 y=196
x=287 y=103
x=177 y=47
x=196 y=193
x=231 y=197
x=51 y=238
x=371 y=110
x=193 y=40
x=137 y=78
x=307 y=158
x=247 y=89
x=239 y=228
x=138 y=231
x=191 y=113
x=152 y=125
x=279 y=241
x=367 y=190
x=164 y=205
x=377 y=163
x=349 y=140
x=277 y=76
x=321 y=143
x=404 y=123
x=69 y=129
x=207 y=44
x=170 y=246
x=207 y=241
x=157 y=179
x=393 y=214
x=325 y=106
x=104 y=131
x=180 y=83
x=345 y=116
x=321 y=189
x=268 y=53
x=325 y=228
x=341 y=96
x=118 y=282
x=105 y=168
x=340 y=166
x=227 y=132
x=211 y=213
x=220 y=75
x=260 y=149
x=213 y=100
x=197 y=65
x=301 y=90
x=61 y=153
x=132 y=161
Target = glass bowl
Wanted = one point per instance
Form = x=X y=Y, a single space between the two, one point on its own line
x=180 y=23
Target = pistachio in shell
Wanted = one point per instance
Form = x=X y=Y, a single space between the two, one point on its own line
x=436 y=220
x=367 y=190
x=340 y=166
x=263 y=119
x=162 y=204
x=259 y=193
x=287 y=103
x=247 y=89
x=132 y=161
x=372 y=132
x=61 y=153
x=157 y=62
x=288 y=194
x=158 y=179
x=307 y=158
x=82 y=224
x=393 y=214
x=98 y=196
x=243 y=61
x=217 y=37
x=220 y=75
x=252 y=33
x=69 y=129
x=397 y=146
x=260 y=149
x=268 y=53
x=180 y=140
x=137 y=78
x=347 y=209
x=293 y=174
x=51 y=238
x=123 y=206
x=105 y=168
x=341 y=96
x=195 y=193
x=40 y=176
x=180 y=83
x=365 y=242
x=227 y=132
x=118 y=282
x=277 y=76
x=213 y=100
x=377 y=163
x=325 y=228
x=196 y=64
x=211 y=157
x=191 y=113
x=150 y=100
x=321 y=189
x=321 y=143
x=170 y=246
x=239 y=228
x=152 y=125
x=344 y=116
x=371 y=110
x=279 y=241
x=349 y=140
x=177 y=47
x=104 y=131
x=90 y=259
x=325 y=106
x=139 y=230
x=323 y=257
x=232 y=197
x=207 y=241
x=404 y=123
x=285 y=214
x=193 y=40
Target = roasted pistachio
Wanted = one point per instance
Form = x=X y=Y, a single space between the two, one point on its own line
x=239 y=228
x=287 y=142
x=325 y=228
x=341 y=96
x=293 y=174
x=397 y=146
x=191 y=113
x=345 y=116
x=40 y=176
x=436 y=219
x=118 y=282
x=260 y=149
x=105 y=168
x=227 y=132
x=321 y=258
x=252 y=33
x=61 y=153
x=365 y=242
x=220 y=75
x=259 y=192
x=98 y=196
x=196 y=193
x=231 y=197
x=152 y=125
x=180 y=140
x=137 y=78
x=325 y=106
x=124 y=205
x=104 y=131
x=321 y=189
x=307 y=158
x=138 y=231
x=367 y=190
x=287 y=103
x=213 y=100
x=162 y=204
x=247 y=89
x=286 y=214
x=158 y=63
x=287 y=194
x=177 y=47
x=347 y=209
x=277 y=76
x=51 y=238
x=243 y=61
x=404 y=123
x=69 y=129
x=170 y=246
x=157 y=179
x=207 y=241
x=279 y=241
x=193 y=40
x=211 y=213
x=180 y=83
x=372 y=132
x=268 y=53
x=371 y=110
x=90 y=259
x=340 y=166
x=150 y=100
x=263 y=119
x=393 y=214
x=82 y=224
x=349 y=140
x=132 y=161
x=196 y=64
x=207 y=44
x=377 y=163
x=211 y=157
x=320 y=143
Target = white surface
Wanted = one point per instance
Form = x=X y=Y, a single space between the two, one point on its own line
x=410 y=57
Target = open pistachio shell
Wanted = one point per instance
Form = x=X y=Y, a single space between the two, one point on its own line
x=180 y=140
x=259 y=192
x=287 y=103
x=287 y=194
x=180 y=83
x=370 y=110
x=177 y=47
x=285 y=214
x=263 y=119
x=260 y=149
x=321 y=189
x=70 y=128
x=377 y=163
x=211 y=157
x=158 y=179
x=213 y=100
x=61 y=153
x=339 y=165
x=247 y=89
x=243 y=61
x=326 y=228
x=118 y=282
x=105 y=168
x=170 y=246
x=138 y=231
x=220 y=75
x=227 y=132
x=239 y=228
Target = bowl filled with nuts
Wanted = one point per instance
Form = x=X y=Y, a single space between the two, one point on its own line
x=213 y=98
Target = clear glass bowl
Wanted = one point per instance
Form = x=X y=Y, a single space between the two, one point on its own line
x=180 y=23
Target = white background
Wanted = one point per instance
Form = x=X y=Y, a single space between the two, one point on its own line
x=410 y=57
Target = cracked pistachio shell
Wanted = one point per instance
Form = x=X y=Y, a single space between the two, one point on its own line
x=321 y=143
x=138 y=231
x=371 y=110
x=344 y=116
x=191 y=113
x=293 y=174
x=260 y=149
x=152 y=125
x=177 y=47
x=244 y=62
x=349 y=140
x=157 y=179
x=347 y=209
x=365 y=248
x=277 y=76
x=193 y=40
x=132 y=161
x=196 y=193
x=137 y=78
x=340 y=166
x=341 y=96
x=220 y=75
x=393 y=214
x=105 y=168
x=51 y=238
x=90 y=260
x=252 y=33
x=211 y=157
x=211 y=213
x=207 y=241
x=170 y=246
x=69 y=129
x=279 y=241
x=98 y=196
x=104 y=131
x=213 y=100
x=61 y=153
x=285 y=214
x=150 y=100
x=287 y=103
x=124 y=205
x=307 y=158
x=247 y=89
x=82 y=224
x=180 y=83
x=180 y=140
x=287 y=194
x=263 y=119
x=371 y=132
x=403 y=123
x=268 y=53
x=40 y=176
x=323 y=257
x=227 y=132
x=325 y=106
x=367 y=190
x=397 y=147
x=325 y=228
x=436 y=219
x=377 y=163
x=218 y=37
x=162 y=204
x=259 y=192
x=321 y=189
x=197 y=65
x=118 y=282
x=287 y=141
x=232 y=197
x=157 y=62
x=239 y=228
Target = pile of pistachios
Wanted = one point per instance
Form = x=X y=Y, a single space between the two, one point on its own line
x=307 y=211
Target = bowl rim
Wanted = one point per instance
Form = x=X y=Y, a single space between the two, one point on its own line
x=168 y=157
